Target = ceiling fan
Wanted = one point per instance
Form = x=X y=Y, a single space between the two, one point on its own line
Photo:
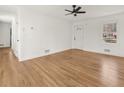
x=75 y=10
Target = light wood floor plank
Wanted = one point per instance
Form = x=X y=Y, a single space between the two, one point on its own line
x=71 y=68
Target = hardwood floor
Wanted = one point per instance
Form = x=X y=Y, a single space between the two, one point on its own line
x=69 y=68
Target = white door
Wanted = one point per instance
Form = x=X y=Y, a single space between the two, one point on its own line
x=78 y=36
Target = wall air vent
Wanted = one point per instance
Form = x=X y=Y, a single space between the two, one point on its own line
x=47 y=51
x=106 y=50
x=1 y=44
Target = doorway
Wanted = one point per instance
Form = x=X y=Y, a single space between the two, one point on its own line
x=5 y=34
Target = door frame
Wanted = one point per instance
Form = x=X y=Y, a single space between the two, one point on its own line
x=11 y=37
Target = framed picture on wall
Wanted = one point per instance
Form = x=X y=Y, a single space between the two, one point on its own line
x=110 y=33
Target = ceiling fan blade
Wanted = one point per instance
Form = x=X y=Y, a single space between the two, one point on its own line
x=77 y=9
x=68 y=10
x=68 y=14
x=81 y=12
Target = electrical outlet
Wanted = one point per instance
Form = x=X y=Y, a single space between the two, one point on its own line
x=106 y=50
x=47 y=51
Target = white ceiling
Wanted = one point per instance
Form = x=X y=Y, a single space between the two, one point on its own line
x=7 y=12
x=59 y=10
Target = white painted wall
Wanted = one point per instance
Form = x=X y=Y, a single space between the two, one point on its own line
x=5 y=34
x=93 y=41
x=38 y=32
x=41 y=32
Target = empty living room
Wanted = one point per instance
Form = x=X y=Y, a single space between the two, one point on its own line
x=61 y=45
